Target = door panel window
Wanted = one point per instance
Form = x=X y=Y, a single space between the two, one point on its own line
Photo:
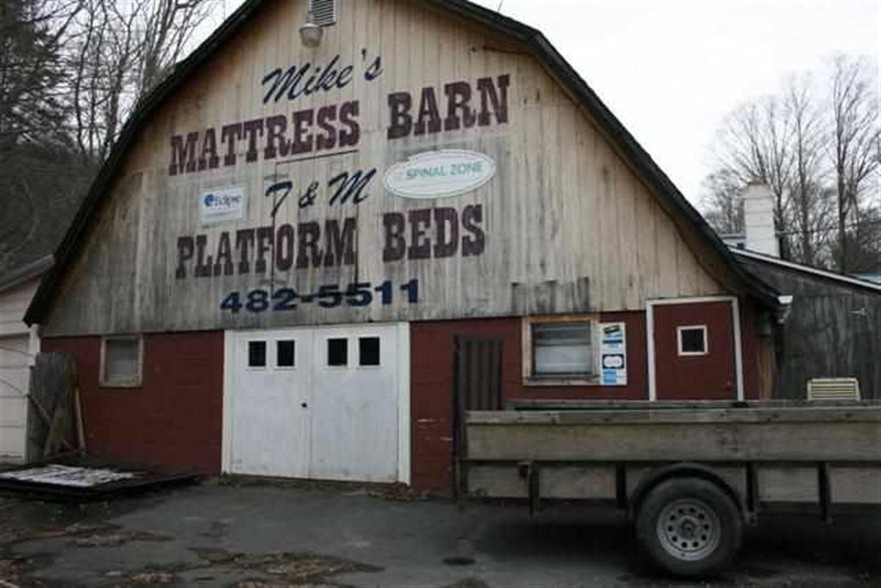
x=338 y=352
x=692 y=340
x=368 y=351
x=285 y=353
x=256 y=353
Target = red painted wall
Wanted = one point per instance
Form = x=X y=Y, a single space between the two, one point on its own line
x=173 y=420
x=431 y=375
x=711 y=376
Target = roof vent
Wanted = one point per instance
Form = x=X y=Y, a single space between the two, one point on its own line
x=324 y=12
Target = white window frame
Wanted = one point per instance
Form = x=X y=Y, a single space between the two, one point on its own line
x=266 y=363
x=703 y=329
x=325 y=361
x=275 y=364
x=358 y=341
x=530 y=379
x=135 y=382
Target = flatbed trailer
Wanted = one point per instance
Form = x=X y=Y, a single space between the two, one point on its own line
x=689 y=475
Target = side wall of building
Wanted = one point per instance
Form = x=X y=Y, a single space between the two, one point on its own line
x=13 y=304
x=18 y=346
x=832 y=331
x=173 y=419
x=432 y=377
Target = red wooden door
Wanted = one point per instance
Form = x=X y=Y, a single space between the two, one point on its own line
x=694 y=351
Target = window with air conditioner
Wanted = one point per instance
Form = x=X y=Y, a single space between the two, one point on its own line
x=561 y=350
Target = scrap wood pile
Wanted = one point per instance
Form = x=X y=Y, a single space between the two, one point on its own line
x=56 y=427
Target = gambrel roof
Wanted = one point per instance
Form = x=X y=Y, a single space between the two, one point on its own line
x=700 y=237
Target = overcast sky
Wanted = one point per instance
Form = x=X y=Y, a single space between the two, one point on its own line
x=670 y=70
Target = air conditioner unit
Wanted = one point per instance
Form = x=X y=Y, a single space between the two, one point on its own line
x=833 y=389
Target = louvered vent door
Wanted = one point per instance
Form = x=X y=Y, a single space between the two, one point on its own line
x=324 y=12
x=478 y=367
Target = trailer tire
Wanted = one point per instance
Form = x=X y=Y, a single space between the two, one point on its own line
x=689 y=527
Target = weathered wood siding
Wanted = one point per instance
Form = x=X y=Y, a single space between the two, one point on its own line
x=827 y=433
x=566 y=225
x=833 y=330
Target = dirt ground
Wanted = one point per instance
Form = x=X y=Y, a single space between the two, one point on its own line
x=270 y=534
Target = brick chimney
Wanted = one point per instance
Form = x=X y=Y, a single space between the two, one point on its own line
x=758 y=219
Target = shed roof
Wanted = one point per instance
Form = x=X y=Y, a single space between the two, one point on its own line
x=791 y=266
x=26 y=272
x=669 y=197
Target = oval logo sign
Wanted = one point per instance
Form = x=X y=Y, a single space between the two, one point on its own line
x=437 y=174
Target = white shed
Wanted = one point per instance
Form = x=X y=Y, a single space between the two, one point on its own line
x=19 y=346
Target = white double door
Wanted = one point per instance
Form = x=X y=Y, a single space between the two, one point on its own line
x=322 y=403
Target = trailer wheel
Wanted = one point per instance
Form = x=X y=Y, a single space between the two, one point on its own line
x=689 y=527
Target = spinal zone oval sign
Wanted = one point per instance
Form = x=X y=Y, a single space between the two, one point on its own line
x=436 y=174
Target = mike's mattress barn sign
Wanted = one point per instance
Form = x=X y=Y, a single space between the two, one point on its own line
x=312 y=227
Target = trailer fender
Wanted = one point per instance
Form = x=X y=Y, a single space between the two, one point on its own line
x=677 y=470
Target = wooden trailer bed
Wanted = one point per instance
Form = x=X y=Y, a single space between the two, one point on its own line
x=756 y=454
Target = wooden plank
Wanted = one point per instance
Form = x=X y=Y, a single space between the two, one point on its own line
x=531 y=404
x=686 y=413
x=678 y=435
x=855 y=485
x=575 y=482
x=788 y=484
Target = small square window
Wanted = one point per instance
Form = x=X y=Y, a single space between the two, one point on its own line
x=284 y=351
x=562 y=350
x=368 y=350
x=256 y=353
x=121 y=362
x=692 y=340
x=337 y=352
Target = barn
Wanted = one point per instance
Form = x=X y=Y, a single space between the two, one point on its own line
x=337 y=218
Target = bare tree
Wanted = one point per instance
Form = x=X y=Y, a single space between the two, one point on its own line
x=723 y=190
x=35 y=186
x=755 y=144
x=118 y=51
x=71 y=71
x=807 y=204
x=168 y=27
x=820 y=153
x=854 y=141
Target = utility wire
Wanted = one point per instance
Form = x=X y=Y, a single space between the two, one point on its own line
x=852 y=225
